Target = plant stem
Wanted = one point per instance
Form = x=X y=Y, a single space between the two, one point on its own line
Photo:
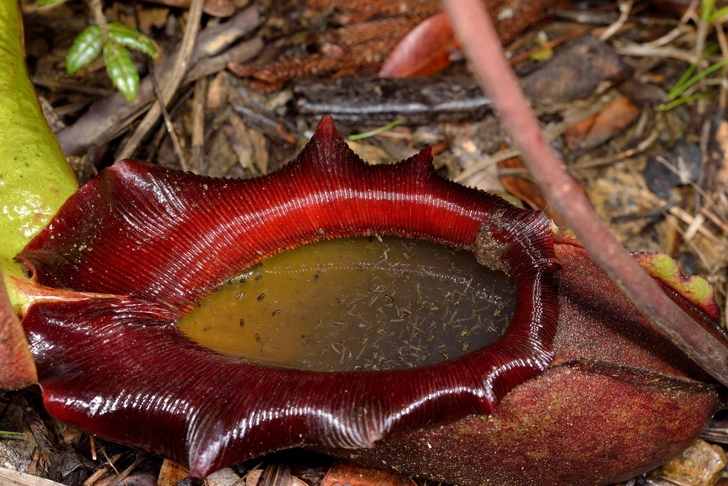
x=97 y=10
x=475 y=31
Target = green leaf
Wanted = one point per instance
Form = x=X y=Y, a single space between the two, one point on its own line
x=132 y=38
x=85 y=49
x=120 y=68
x=719 y=14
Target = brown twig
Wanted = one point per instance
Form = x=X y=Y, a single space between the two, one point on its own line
x=239 y=53
x=102 y=470
x=127 y=471
x=480 y=42
x=92 y=443
x=641 y=147
x=170 y=88
x=168 y=124
x=625 y=7
x=54 y=85
x=198 y=125
x=156 y=142
x=97 y=10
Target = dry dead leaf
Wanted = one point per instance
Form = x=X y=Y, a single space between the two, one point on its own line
x=248 y=144
x=347 y=474
x=721 y=136
x=253 y=477
x=427 y=49
x=171 y=473
x=700 y=465
x=222 y=477
x=597 y=129
x=524 y=189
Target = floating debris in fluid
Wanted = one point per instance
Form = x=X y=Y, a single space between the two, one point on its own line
x=356 y=304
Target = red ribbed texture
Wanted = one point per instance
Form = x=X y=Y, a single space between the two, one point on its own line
x=158 y=240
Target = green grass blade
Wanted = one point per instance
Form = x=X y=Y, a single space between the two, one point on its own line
x=679 y=86
x=377 y=131
x=698 y=77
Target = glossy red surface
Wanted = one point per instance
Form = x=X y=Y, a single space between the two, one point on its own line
x=150 y=242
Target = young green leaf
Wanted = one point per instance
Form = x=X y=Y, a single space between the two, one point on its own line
x=120 y=68
x=719 y=14
x=85 y=48
x=132 y=38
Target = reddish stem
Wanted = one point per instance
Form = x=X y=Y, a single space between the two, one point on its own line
x=475 y=31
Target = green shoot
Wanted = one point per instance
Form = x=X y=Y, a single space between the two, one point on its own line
x=119 y=63
x=680 y=88
x=377 y=131
x=669 y=106
x=719 y=14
